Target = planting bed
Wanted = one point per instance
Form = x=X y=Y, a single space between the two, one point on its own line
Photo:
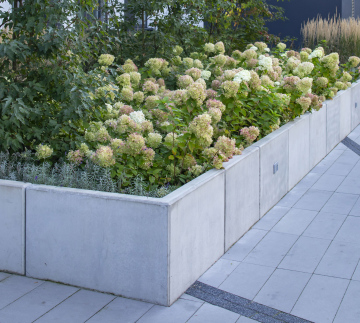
x=154 y=249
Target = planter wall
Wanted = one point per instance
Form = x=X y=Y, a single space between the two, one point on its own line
x=12 y=226
x=154 y=249
x=143 y=248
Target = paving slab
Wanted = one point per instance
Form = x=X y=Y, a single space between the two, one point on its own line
x=245 y=319
x=325 y=225
x=246 y=280
x=305 y=255
x=355 y=211
x=292 y=197
x=295 y=221
x=243 y=247
x=78 y=308
x=216 y=275
x=320 y=299
x=15 y=287
x=344 y=164
x=340 y=260
x=181 y=311
x=121 y=310
x=350 y=230
x=213 y=314
x=36 y=303
x=313 y=200
x=328 y=182
x=356 y=275
x=268 y=221
x=272 y=249
x=349 y=310
x=340 y=203
x=276 y=292
x=4 y=276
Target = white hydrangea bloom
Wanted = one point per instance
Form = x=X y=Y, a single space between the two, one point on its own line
x=109 y=107
x=254 y=48
x=243 y=75
x=277 y=83
x=265 y=63
x=205 y=75
x=316 y=53
x=137 y=116
x=267 y=49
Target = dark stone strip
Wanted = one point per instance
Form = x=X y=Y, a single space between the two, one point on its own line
x=240 y=305
x=351 y=144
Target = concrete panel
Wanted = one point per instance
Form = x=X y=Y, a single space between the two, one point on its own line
x=355 y=105
x=12 y=226
x=317 y=136
x=242 y=194
x=196 y=229
x=274 y=149
x=299 y=149
x=332 y=123
x=345 y=113
x=103 y=241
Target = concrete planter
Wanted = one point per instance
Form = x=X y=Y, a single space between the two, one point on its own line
x=12 y=226
x=154 y=249
x=144 y=248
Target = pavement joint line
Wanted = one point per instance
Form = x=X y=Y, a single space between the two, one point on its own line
x=352 y=145
x=241 y=305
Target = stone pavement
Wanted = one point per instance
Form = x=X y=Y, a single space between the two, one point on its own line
x=301 y=258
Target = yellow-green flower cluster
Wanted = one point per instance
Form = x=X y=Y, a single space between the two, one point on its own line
x=104 y=156
x=106 y=59
x=194 y=72
x=134 y=144
x=304 y=69
x=219 y=47
x=197 y=92
x=212 y=103
x=202 y=129
x=354 y=61
x=184 y=81
x=230 y=88
x=127 y=94
x=153 y=140
x=43 y=152
x=304 y=85
x=304 y=102
x=250 y=133
x=225 y=146
x=150 y=87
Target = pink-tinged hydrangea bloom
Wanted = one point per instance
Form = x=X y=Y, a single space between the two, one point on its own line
x=104 y=156
x=217 y=71
x=188 y=62
x=229 y=75
x=289 y=83
x=150 y=87
x=118 y=146
x=151 y=102
x=316 y=101
x=196 y=170
x=126 y=124
x=266 y=81
x=304 y=85
x=217 y=162
x=148 y=155
x=215 y=114
x=225 y=146
x=196 y=91
x=147 y=126
x=188 y=161
x=230 y=62
x=106 y=59
x=180 y=96
x=251 y=63
x=293 y=53
x=195 y=73
x=219 y=47
x=249 y=54
x=75 y=157
x=153 y=140
x=211 y=94
x=160 y=115
x=201 y=127
x=127 y=94
x=230 y=88
x=322 y=82
x=126 y=109
x=304 y=103
x=215 y=84
x=250 y=133
x=111 y=123
x=215 y=104
x=292 y=63
x=255 y=82
x=354 y=61
x=184 y=81
x=134 y=143
x=124 y=80
x=202 y=82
